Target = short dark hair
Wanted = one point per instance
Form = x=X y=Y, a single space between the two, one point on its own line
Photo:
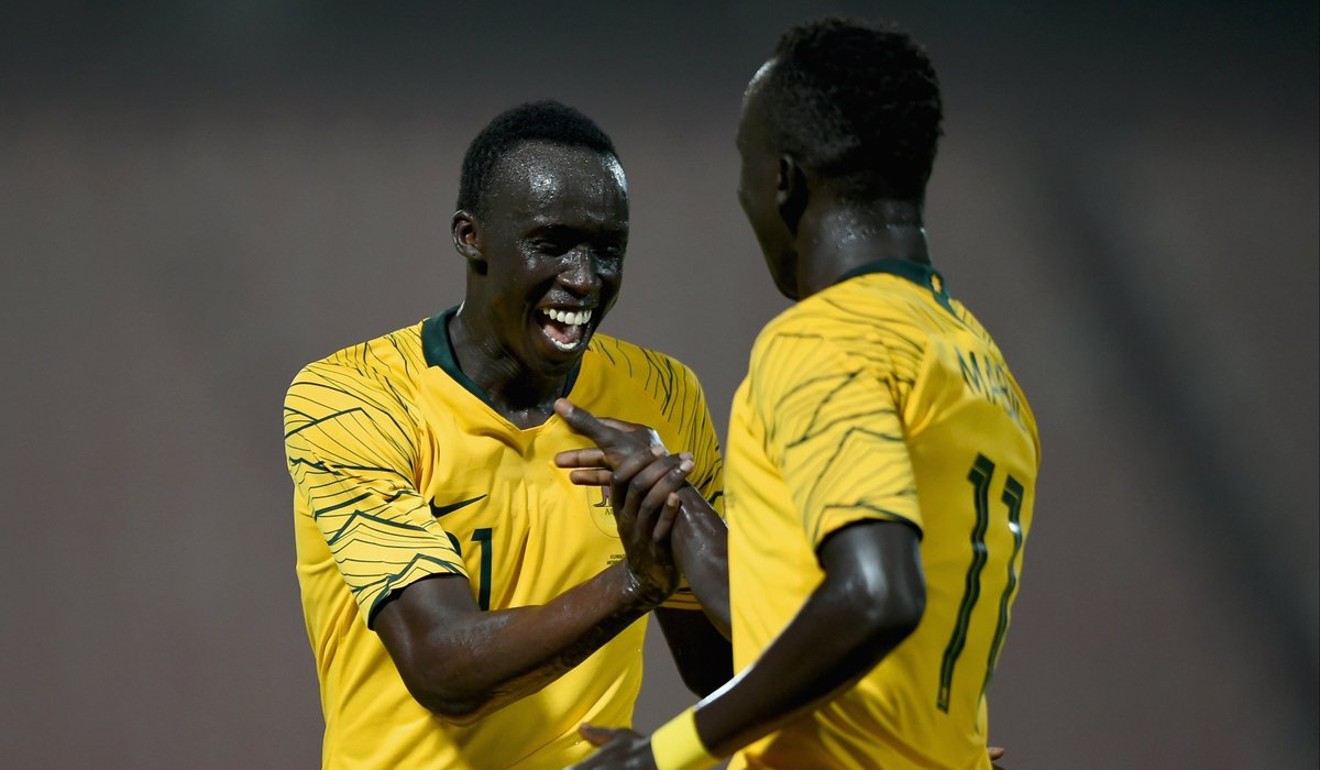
x=542 y=121
x=858 y=103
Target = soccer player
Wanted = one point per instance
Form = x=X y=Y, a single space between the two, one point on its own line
x=882 y=460
x=467 y=605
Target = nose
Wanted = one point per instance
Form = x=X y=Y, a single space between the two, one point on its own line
x=580 y=275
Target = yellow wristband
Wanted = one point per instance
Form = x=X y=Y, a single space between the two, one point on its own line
x=676 y=745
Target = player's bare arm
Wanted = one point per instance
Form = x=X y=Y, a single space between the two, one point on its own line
x=700 y=539
x=462 y=662
x=699 y=642
x=827 y=647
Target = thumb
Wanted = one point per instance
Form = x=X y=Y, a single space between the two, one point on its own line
x=579 y=419
x=596 y=736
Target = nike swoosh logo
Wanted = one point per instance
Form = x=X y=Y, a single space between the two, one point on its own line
x=441 y=510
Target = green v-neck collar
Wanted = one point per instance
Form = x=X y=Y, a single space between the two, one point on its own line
x=438 y=350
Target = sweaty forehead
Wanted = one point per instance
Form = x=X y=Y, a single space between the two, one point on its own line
x=541 y=174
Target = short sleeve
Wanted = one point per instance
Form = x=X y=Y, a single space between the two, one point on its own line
x=834 y=430
x=351 y=450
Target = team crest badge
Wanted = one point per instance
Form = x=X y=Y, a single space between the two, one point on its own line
x=602 y=513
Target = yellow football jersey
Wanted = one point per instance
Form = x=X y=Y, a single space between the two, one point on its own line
x=880 y=397
x=402 y=469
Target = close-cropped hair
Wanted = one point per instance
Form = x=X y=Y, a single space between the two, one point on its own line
x=859 y=104
x=543 y=121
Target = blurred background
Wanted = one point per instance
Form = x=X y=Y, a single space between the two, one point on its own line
x=198 y=198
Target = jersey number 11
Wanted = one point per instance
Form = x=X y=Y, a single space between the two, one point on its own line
x=980 y=475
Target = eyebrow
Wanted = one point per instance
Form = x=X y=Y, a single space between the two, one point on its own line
x=553 y=229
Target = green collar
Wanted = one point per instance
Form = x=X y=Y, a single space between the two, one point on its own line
x=439 y=351
x=919 y=273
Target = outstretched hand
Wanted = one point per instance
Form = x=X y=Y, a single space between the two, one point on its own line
x=643 y=481
x=617 y=443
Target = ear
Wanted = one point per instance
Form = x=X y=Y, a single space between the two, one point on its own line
x=791 y=192
x=466 y=230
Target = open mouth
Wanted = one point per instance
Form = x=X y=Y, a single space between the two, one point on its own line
x=566 y=329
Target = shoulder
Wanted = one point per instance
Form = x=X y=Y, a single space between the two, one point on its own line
x=387 y=366
x=358 y=406
x=875 y=323
x=800 y=319
x=826 y=320
x=638 y=384
x=643 y=367
x=973 y=324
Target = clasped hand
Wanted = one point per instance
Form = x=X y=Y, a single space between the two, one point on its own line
x=643 y=480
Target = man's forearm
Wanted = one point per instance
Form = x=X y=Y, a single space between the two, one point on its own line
x=815 y=657
x=872 y=597
x=478 y=662
x=701 y=547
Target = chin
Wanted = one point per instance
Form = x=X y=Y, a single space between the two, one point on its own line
x=781 y=267
x=786 y=286
x=550 y=361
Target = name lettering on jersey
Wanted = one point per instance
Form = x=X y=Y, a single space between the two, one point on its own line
x=988 y=378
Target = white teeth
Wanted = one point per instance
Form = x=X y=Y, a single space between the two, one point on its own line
x=565 y=317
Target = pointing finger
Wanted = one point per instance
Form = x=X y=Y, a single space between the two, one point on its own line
x=580 y=420
x=592 y=457
x=591 y=477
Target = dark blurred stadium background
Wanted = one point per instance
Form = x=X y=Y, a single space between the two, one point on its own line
x=195 y=199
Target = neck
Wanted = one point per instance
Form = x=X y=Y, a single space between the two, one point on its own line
x=843 y=237
x=523 y=397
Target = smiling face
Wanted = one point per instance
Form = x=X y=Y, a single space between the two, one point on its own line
x=547 y=253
